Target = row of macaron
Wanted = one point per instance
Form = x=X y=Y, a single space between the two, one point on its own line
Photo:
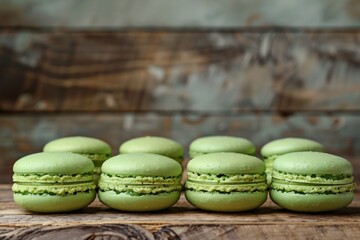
x=59 y=180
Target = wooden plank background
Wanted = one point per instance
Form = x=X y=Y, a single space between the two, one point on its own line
x=184 y=13
x=115 y=72
x=180 y=71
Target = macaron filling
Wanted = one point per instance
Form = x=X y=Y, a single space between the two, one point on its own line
x=226 y=178
x=226 y=188
x=51 y=178
x=96 y=156
x=302 y=188
x=139 y=185
x=312 y=183
x=52 y=184
x=61 y=189
x=323 y=179
x=226 y=183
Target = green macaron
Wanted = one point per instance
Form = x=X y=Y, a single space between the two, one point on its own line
x=140 y=182
x=273 y=149
x=312 y=182
x=53 y=182
x=226 y=182
x=95 y=149
x=215 y=144
x=156 y=145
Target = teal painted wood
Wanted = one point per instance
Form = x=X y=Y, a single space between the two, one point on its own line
x=180 y=14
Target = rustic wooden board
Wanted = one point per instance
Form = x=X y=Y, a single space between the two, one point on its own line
x=167 y=71
x=25 y=134
x=179 y=222
x=185 y=13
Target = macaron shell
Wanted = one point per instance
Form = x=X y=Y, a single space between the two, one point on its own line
x=78 y=144
x=143 y=164
x=287 y=145
x=141 y=203
x=232 y=202
x=53 y=182
x=311 y=202
x=54 y=163
x=226 y=163
x=151 y=144
x=53 y=203
x=213 y=144
x=312 y=163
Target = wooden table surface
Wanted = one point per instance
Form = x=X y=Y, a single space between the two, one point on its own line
x=179 y=222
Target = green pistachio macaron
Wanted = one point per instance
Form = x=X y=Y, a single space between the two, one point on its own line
x=214 y=144
x=312 y=182
x=226 y=182
x=53 y=182
x=95 y=149
x=273 y=149
x=151 y=144
x=140 y=182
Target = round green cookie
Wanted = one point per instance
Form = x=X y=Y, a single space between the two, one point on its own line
x=140 y=182
x=312 y=182
x=214 y=144
x=95 y=149
x=151 y=144
x=288 y=145
x=273 y=149
x=53 y=182
x=226 y=182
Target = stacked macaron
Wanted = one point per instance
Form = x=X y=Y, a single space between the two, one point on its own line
x=53 y=182
x=226 y=182
x=312 y=182
x=140 y=182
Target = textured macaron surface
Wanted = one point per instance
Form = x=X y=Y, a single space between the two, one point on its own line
x=53 y=163
x=226 y=163
x=142 y=164
x=226 y=172
x=152 y=144
x=140 y=173
x=226 y=182
x=79 y=144
x=313 y=163
x=53 y=174
x=214 y=144
x=287 y=145
x=312 y=172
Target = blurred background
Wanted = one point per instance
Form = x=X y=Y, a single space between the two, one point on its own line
x=259 y=69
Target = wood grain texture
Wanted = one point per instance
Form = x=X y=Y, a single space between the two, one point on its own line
x=182 y=221
x=26 y=134
x=180 y=14
x=164 y=71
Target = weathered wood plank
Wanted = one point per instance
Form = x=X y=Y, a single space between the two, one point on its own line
x=25 y=134
x=185 y=13
x=182 y=213
x=207 y=72
x=182 y=221
x=273 y=231
x=129 y=231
